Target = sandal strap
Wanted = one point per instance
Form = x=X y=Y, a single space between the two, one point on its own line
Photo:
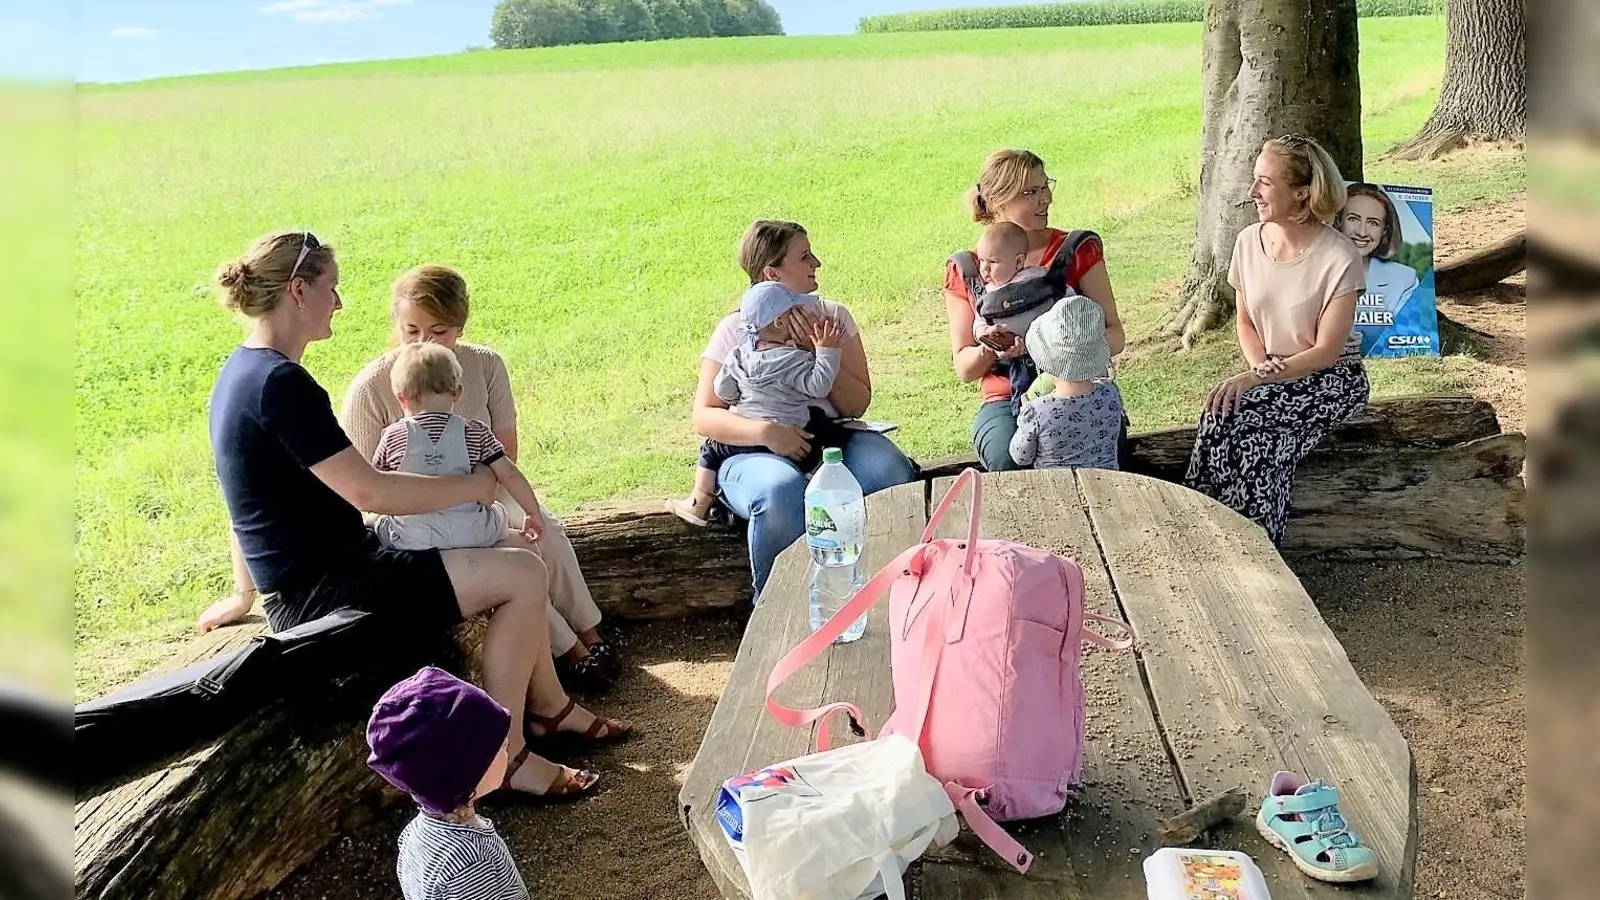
x=611 y=727
x=1320 y=822
x=1310 y=802
x=553 y=723
x=571 y=781
x=515 y=764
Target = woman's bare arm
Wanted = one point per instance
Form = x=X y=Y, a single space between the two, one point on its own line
x=1096 y=285
x=236 y=605
x=243 y=583
x=971 y=359
x=508 y=440
x=1333 y=330
x=1255 y=352
x=352 y=477
x=852 y=390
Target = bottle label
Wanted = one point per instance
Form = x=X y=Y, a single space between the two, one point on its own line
x=821 y=531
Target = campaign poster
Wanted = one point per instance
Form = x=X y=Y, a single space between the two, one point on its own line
x=1392 y=227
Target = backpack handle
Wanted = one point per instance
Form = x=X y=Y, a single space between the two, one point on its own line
x=968 y=477
x=1100 y=640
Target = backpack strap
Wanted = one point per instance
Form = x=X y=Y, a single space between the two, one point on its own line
x=1075 y=240
x=967 y=267
x=870 y=593
x=993 y=836
x=819 y=640
x=966 y=263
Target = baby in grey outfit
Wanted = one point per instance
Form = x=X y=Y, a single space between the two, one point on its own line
x=768 y=376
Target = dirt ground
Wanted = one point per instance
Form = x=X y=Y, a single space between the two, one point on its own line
x=1439 y=644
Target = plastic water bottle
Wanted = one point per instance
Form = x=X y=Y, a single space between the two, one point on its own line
x=836 y=532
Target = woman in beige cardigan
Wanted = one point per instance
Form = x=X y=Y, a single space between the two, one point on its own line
x=430 y=303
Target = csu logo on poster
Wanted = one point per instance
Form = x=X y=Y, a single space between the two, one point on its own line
x=1410 y=341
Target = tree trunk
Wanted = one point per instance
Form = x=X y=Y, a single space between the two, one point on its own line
x=1270 y=67
x=1485 y=90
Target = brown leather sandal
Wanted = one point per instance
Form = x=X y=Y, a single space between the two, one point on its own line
x=568 y=786
x=602 y=730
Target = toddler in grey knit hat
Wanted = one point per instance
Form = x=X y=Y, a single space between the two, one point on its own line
x=1077 y=424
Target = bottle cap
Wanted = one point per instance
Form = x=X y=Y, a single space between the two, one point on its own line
x=832 y=455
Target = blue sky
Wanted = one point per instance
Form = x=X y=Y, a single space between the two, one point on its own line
x=125 y=40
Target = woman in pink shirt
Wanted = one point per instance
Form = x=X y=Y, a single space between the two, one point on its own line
x=767 y=489
x=1297 y=279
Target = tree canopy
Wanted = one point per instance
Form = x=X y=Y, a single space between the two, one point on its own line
x=548 y=23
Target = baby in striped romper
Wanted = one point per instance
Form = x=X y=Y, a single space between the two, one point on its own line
x=433 y=440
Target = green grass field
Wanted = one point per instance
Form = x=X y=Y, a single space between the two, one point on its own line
x=593 y=196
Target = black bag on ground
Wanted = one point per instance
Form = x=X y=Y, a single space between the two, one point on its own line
x=133 y=726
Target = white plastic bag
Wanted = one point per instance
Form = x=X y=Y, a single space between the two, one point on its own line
x=838 y=825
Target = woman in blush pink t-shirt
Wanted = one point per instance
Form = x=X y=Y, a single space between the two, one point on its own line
x=1297 y=279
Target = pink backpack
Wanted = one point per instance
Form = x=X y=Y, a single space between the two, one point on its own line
x=1002 y=623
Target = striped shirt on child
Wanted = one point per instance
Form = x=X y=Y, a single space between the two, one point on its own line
x=445 y=860
x=483 y=448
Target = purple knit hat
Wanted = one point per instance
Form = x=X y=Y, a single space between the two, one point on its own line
x=434 y=736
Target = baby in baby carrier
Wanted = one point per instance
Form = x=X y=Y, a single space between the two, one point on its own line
x=1011 y=295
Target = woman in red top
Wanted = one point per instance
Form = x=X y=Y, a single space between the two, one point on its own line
x=1013 y=188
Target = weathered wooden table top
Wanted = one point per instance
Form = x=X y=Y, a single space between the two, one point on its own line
x=1235 y=677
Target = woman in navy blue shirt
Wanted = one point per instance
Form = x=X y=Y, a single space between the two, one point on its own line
x=294 y=484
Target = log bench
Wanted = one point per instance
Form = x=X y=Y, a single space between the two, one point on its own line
x=1409 y=477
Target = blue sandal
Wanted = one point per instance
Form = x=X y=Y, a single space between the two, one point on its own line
x=1302 y=819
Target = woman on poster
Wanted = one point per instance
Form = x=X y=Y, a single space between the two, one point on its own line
x=1371 y=222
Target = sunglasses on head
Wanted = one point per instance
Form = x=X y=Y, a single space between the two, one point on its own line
x=308 y=243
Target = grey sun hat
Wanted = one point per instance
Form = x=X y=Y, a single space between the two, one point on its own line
x=1069 y=341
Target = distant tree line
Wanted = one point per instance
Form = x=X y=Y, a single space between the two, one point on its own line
x=548 y=23
x=1097 y=12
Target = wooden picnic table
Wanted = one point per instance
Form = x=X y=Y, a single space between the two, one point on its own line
x=1235 y=677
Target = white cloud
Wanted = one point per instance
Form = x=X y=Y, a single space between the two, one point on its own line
x=133 y=32
x=331 y=10
x=341 y=13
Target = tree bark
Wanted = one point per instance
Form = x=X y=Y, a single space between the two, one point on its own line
x=1485 y=90
x=1270 y=67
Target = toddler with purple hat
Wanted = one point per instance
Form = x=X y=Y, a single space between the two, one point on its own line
x=443 y=741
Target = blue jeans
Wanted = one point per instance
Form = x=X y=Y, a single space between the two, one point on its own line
x=768 y=491
x=992 y=429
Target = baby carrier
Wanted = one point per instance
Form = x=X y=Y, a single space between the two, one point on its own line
x=1018 y=304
